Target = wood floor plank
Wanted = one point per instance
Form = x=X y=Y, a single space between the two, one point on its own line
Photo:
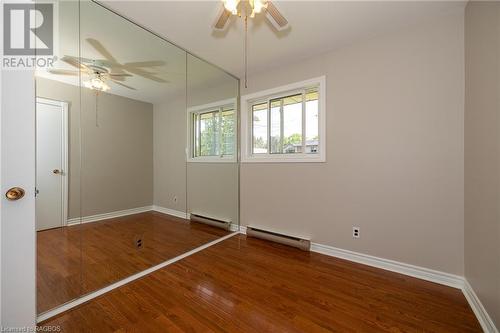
x=73 y=261
x=250 y=285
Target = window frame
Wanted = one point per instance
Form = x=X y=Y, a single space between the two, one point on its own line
x=266 y=96
x=207 y=108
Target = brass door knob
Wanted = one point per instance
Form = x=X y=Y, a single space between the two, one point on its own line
x=14 y=193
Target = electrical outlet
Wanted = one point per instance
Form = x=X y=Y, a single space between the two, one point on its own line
x=356 y=232
x=138 y=242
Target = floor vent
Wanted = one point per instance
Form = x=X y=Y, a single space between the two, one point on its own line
x=303 y=244
x=210 y=221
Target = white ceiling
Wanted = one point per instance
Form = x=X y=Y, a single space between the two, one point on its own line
x=315 y=27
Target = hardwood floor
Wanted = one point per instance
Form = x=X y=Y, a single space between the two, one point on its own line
x=76 y=260
x=250 y=285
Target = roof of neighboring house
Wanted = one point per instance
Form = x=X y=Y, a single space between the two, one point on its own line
x=308 y=143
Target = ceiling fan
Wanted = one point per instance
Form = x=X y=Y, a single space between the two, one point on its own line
x=100 y=71
x=246 y=9
x=249 y=8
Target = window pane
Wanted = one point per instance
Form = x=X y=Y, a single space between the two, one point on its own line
x=259 y=119
x=312 y=121
x=276 y=140
x=292 y=124
x=208 y=135
x=227 y=129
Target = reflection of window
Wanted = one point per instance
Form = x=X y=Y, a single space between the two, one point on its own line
x=285 y=124
x=213 y=132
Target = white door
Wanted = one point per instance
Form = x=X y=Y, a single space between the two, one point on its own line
x=51 y=165
x=18 y=291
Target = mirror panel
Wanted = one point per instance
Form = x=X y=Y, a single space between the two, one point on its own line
x=58 y=208
x=127 y=73
x=151 y=140
x=212 y=168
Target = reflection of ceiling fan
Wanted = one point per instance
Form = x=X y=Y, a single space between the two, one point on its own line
x=99 y=71
x=246 y=9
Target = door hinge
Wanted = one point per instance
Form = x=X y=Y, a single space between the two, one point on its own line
x=36 y=192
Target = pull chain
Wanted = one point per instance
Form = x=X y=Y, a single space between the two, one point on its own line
x=96 y=109
x=246 y=50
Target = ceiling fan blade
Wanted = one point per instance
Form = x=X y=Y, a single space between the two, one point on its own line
x=101 y=49
x=110 y=61
x=153 y=63
x=275 y=17
x=221 y=21
x=73 y=61
x=146 y=75
x=123 y=85
x=119 y=77
x=63 y=72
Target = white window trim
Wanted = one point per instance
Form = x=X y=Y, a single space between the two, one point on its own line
x=203 y=108
x=246 y=122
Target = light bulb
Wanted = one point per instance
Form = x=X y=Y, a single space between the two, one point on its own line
x=96 y=84
x=232 y=6
x=258 y=5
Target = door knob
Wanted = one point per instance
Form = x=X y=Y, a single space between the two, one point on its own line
x=56 y=172
x=14 y=193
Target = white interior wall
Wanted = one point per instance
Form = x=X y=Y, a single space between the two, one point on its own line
x=210 y=189
x=169 y=157
x=394 y=165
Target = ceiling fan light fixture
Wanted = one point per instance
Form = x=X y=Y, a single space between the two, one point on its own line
x=232 y=6
x=249 y=9
x=96 y=84
x=258 y=6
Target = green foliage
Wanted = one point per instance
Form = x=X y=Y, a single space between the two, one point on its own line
x=228 y=134
x=292 y=139
x=210 y=138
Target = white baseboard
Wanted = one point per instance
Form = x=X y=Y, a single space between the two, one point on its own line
x=234 y=227
x=427 y=274
x=110 y=215
x=390 y=265
x=423 y=273
x=168 y=211
x=478 y=308
x=243 y=229
x=120 y=213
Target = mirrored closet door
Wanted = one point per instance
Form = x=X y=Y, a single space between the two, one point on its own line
x=146 y=157
x=58 y=167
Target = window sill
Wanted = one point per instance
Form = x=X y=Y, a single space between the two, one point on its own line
x=284 y=159
x=212 y=160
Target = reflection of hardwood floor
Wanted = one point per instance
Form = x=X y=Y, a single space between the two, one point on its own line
x=109 y=252
x=249 y=285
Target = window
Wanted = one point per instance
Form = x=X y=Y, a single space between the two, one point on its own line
x=212 y=132
x=285 y=124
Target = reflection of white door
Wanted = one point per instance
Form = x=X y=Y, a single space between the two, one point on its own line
x=51 y=163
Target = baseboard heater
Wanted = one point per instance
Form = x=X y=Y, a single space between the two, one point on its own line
x=210 y=221
x=303 y=244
